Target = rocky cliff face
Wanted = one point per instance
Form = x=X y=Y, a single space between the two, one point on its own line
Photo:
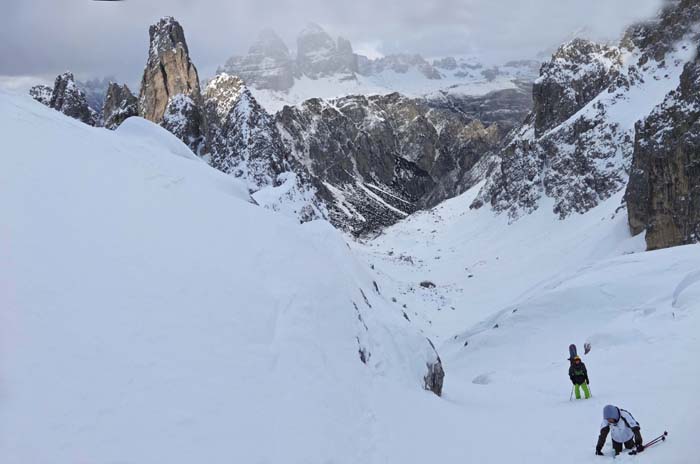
x=82 y=101
x=508 y=108
x=361 y=162
x=400 y=64
x=268 y=64
x=67 y=98
x=576 y=146
x=169 y=72
x=119 y=104
x=243 y=141
x=663 y=194
x=318 y=55
x=575 y=75
x=41 y=93
x=383 y=157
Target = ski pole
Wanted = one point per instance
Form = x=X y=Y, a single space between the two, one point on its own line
x=572 y=393
x=656 y=440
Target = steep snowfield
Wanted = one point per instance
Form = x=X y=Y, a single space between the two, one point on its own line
x=150 y=313
x=517 y=295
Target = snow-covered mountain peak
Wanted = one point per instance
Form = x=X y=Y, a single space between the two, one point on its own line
x=325 y=67
x=577 y=145
x=223 y=91
x=166 y=35
x=319 y=55
x=269 y=44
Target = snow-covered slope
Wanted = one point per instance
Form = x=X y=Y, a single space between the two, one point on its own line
x=150 y=313
x=140 y=324
x=509 y=299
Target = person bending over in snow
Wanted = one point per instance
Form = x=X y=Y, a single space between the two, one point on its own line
x=623 y=428
x=579 y=377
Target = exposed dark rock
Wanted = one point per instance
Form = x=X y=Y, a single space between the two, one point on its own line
x=41 y=93
x=576 y=74
x=243 y=140
x=183 y=117
x=663 y=195
x=70 y=100
x=576 y=146
x=383 y=157
x=508 y=108
x=119 y=105
x=434 y=378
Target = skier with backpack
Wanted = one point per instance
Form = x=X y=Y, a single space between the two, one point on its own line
x=579 y=377
x=623 y=428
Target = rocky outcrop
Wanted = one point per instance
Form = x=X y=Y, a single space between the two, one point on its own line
x=434 y=378
x=119 y=105
x=576 y=74
x=41 y=93
x=508 y=108
x=183 y=117
x=577 y=145
x=383 y=157
x=268 y=64
x=243 y=141
x=318 y=55
x=169 y=71
x=72 y=98
x=67 y=98
x=400 y=64
x=663 y=195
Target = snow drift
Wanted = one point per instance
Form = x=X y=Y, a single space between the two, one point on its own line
x=151 y=313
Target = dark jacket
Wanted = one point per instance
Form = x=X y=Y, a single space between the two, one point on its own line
x=578 y=373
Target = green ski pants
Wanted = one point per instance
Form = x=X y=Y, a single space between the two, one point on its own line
x=586 y=391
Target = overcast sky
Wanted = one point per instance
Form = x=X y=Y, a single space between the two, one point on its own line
x=91 y=38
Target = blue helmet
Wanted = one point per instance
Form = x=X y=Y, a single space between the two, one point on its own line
x=611 y=412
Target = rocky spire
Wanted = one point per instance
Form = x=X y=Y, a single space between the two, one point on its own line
x=170 y=93
x=318 y=55
x=268 y=64
x=169 y=70
x=119 y=104
x=70 y=100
